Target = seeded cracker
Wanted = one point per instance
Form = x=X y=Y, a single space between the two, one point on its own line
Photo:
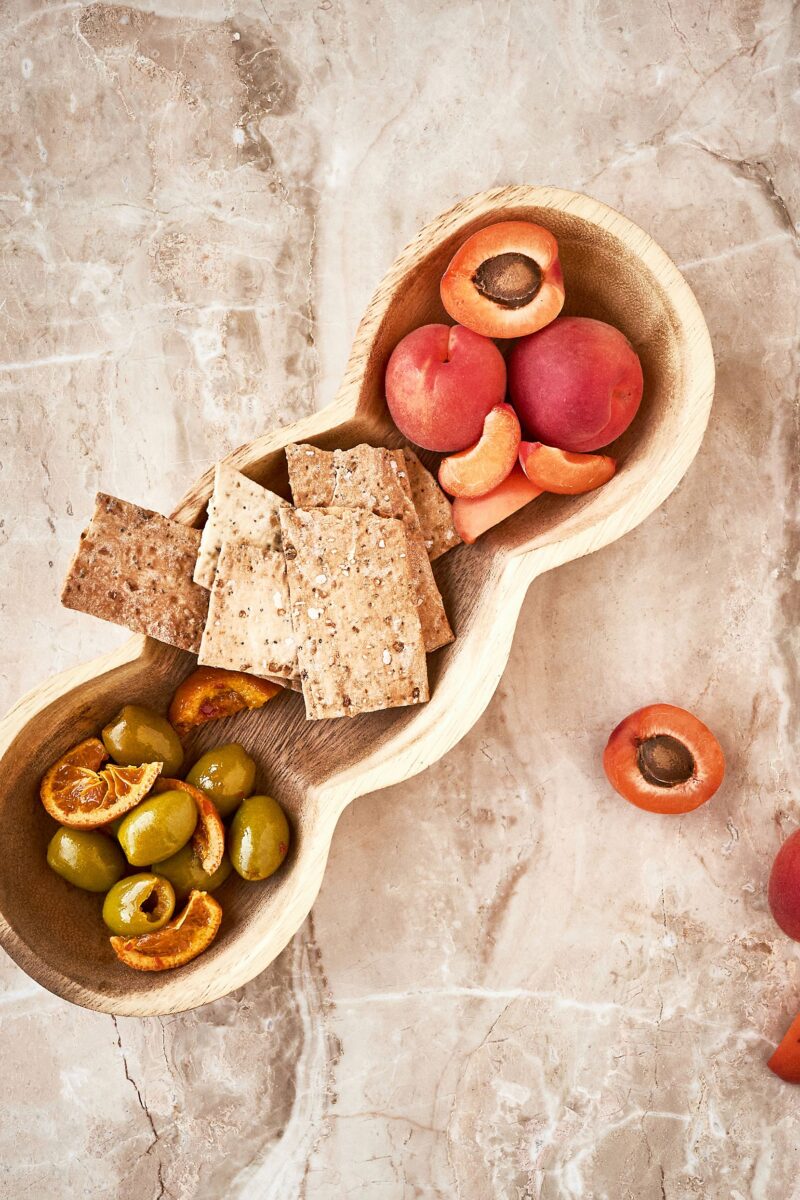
x=434 y=510
x=240 y=509
x=359 y=638
x=249 y=626
x=134 y=567
x=374 y=479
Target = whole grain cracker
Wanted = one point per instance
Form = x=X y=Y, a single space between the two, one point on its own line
x=359 y=639
x=240 y=509
x=375 y=479
x=434 y=510
x=249 y=626
x=134 y=567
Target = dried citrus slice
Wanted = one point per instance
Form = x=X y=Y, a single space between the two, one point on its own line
x=208 y=838
x=77 y=793
x=178 y=942
x=211 y=693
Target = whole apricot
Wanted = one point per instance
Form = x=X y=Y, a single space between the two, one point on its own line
x=784 y=887
x=576 y=384
x=441 y=382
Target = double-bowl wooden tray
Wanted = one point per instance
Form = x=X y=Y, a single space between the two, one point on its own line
x=613 y=271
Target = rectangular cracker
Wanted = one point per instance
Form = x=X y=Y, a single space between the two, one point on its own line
x=359 y=638
x=239 y=508
x=134 y=567
x=249 y=626
x=434 y=510
x=374 y=479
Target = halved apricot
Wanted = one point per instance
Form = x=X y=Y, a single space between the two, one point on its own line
x=473 y=516
x=564 y=473
x=210 y=693
x=208 y=839
x=78 y=794
x=177 y=942
x=482 y=467
x=505 y=281
x=663 y=759
x=785 y=1060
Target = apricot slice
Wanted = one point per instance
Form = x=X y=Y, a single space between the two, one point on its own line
x=210 y=693
x=472 y=516
x=664 y=760
x=78 y=794
x=177 y=942
x=505 y=281
x=785 y=1060
x=479 y=469
x=208 y=839
x=565 y=474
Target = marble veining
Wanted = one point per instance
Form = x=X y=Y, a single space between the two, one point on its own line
x=513 y=985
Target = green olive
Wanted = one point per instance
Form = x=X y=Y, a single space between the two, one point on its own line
x=226 y=774
x=158 y=827
x=90 y=860
x=139 y=904
x=259 y=837
x=138 y=735
x=184 y=872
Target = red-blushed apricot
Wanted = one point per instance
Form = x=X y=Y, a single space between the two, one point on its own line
x=785 y=1060
x=663 y=759
x=505 y=281
x=784 y=887
x=441 y=382
x=564 y=473
x=473 y=516
x=484 y=466
x=576 y=385
x=210 y=693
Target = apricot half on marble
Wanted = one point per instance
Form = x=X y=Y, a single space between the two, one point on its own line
x=505 y=281
x=664 y=759
x=473 y=516
x=441 y=381
x=785 y=1060
x=208 y=839
x=576 y=385
x=564 y=473
x=484 y=466
x=211 y=693
x=784 y=887
x=177 y=942
x=76 y=792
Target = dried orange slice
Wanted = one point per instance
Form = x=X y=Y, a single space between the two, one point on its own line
x=77 y=793
x=178 y=942
x=210 y=693
x=208 y=838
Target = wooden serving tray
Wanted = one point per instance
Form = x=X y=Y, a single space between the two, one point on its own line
x=613 y=271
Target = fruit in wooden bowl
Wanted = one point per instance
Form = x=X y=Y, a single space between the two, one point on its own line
x=613 y=272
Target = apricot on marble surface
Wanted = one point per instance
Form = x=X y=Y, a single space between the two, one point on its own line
x=785 y=1059
x=784 y=887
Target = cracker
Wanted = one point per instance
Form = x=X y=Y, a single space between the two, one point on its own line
x=239 y=508
x=249 y=626
x=134 y=567
x=375 y=479
x=359 y=639
x=434 y=510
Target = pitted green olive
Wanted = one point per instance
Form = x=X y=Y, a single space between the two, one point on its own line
x=259 y=837
x=139 y=904
x=226 y=774
x=185 y=872
x=139 y=735
x=158 y=827
x=87 y=859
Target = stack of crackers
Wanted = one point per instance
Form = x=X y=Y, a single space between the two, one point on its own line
x=332 y=595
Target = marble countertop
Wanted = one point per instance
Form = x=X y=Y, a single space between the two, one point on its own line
x=513 y=984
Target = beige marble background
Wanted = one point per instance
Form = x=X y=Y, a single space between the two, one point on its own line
x=513 y=985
